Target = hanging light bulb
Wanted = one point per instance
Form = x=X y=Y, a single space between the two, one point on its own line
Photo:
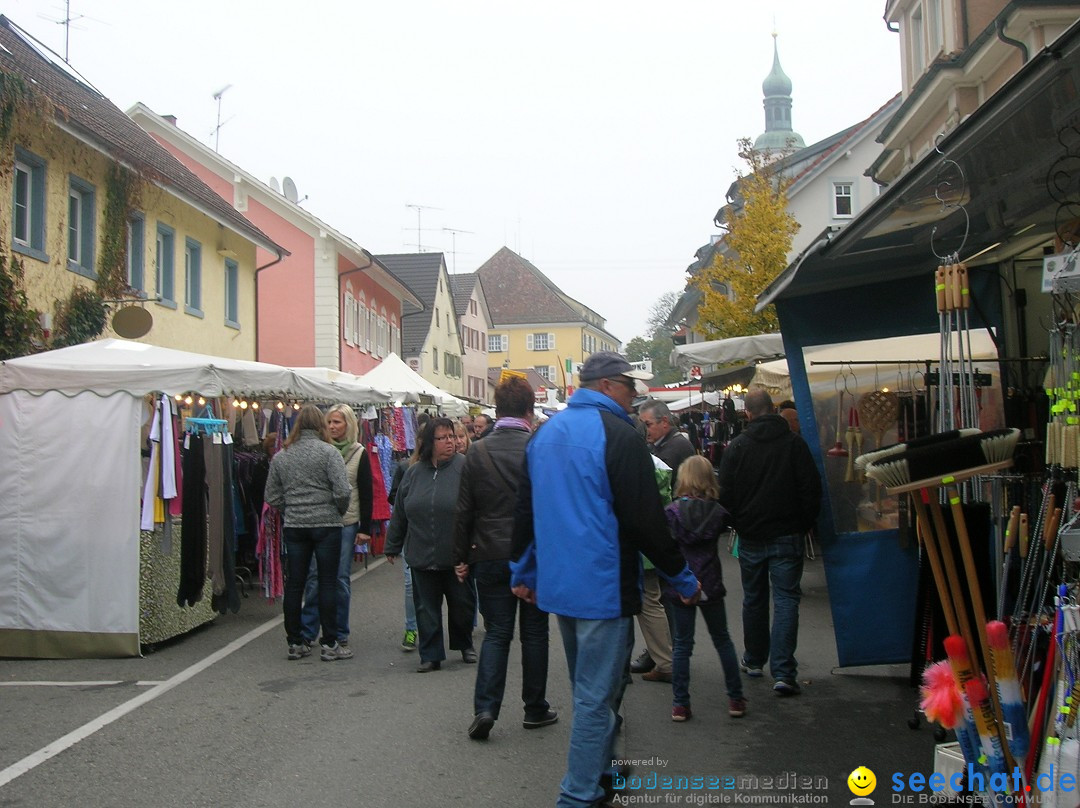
x=296 y=405
x=188 y=399
x=178 y=397
x=244 y=404
x=202 y=401
x=254 y=405
x=280 y=405
x=235 y=402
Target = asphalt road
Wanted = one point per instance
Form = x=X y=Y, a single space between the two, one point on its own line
x=220 y=717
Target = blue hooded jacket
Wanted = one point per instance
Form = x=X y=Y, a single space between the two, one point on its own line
x=588 y=504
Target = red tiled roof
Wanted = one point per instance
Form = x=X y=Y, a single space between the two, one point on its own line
x=518 y=292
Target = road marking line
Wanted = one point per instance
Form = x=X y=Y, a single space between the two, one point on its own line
x=111 y=683
x=53 y=749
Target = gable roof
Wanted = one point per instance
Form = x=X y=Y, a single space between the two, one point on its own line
x=462 y=286
x=88 y=115
x=420 y=272
x=517 y=292
x=535 y=380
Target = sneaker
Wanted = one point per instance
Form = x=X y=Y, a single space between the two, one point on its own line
x=542 y=720
x=408 y=642
x=753 y=671
x=736 y=708
x=680 y=713
x=481 y=726
x=786 y=687
x=299 y=650
x=330 y=653
x=643 y=664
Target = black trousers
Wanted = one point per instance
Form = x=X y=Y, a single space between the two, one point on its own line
x=430 y=587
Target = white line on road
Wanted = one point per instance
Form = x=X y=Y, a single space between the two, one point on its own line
x=86 y=730
x=111 y=683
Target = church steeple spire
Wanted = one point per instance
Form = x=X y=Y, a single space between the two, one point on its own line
x=776 y=89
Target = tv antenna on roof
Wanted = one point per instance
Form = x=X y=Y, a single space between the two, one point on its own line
x=217 y=129
x=419 y=209
x=453 y=245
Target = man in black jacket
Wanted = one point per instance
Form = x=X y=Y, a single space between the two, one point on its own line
x=482 y=545
x=770 y=485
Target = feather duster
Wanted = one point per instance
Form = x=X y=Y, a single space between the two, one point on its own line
x=940 y=697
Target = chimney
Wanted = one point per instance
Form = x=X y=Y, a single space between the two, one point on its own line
x=170 y=118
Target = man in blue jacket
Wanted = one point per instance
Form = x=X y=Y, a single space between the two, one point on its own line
x=588 y=504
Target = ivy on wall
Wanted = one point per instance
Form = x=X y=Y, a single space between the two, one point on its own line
x=83 y=315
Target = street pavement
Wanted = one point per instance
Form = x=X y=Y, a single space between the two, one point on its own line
x=221 y=717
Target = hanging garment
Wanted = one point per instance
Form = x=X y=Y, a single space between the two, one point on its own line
x=193 y=527
x=227 y=597
x=387 y=463
x=380 y=508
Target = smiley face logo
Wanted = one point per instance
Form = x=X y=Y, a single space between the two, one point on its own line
x=862 y=782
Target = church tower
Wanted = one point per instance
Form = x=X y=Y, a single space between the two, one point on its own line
x=778 y=135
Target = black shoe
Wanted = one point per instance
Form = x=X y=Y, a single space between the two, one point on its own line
x=469 y=656
x=643 y=664
x=481 y=726
x=542 y=720
x=426 y=667
x=607 y=782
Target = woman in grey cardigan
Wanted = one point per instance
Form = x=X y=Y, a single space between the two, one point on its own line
x=307 y=482
x=422 y=527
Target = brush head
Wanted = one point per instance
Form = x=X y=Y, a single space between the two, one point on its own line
x=864 y=460
x=956 y=648
x=958 y=457
x=997 y=634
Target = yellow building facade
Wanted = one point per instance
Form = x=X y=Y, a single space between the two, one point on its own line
x=547 y=347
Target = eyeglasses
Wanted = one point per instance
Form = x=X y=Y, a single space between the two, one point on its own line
x=625 y=381
x=445 y=437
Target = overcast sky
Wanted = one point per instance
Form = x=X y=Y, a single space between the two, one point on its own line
x=594 y=137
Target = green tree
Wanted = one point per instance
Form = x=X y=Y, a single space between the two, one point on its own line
x=758 y=237
x=20 y=331
x=656 y=344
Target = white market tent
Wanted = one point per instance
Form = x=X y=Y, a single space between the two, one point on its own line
x=694 y=400
x=70 y=445
x=401 y=381
x=727 y=351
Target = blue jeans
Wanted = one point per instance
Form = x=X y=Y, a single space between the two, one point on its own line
x=682 y=620
x=301 y=543
x=430 y=587
x=499 y=606
x=309 y=617
x=410 y=607
x=777 y=561
x=596 y=651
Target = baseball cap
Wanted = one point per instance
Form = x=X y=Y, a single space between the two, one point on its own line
x=606 y=364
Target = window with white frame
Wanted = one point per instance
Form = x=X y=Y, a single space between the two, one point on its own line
x=539 y=342
x=232 y=291
x=166 y=265
x=842 y=202
x=481 y=343
x=438 y=324
x=916 y=43
x=348 y=317
x=549 y=372
x=935 y=34
x=359 y=306
x=498 y=343
x=369 y=327
x=435 y=361
x=81 y=220
x=381 y=348
x=192 y=277
x=395 y=335
x=136 y=254
x=28 y=205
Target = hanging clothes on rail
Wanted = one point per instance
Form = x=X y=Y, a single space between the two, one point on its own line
x=193 y=526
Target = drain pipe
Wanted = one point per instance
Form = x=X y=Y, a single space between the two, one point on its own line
x=280 y=257
x=1008 y=40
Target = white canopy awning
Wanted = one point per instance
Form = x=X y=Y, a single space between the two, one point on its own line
x=725 y=351
x=114 y=365
x=404 y=384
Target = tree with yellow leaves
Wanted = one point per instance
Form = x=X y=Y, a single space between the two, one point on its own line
x=752 y=252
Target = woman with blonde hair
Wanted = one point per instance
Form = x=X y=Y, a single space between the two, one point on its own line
x=461 y=438
x=343 y=433
x=307 y=481
x=697 y=520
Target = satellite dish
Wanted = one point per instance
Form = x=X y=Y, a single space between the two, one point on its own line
x=132 y=322
x=274 y=184
x=288 y=187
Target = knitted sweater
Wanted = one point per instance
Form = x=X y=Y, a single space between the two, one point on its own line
x=307 y=481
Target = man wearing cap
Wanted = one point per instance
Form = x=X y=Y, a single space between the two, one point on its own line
x=588 y=504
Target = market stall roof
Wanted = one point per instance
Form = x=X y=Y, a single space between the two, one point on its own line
x=401 y=381
x=114 y=365
x=723 y=351
x=696 y=400
x=321 y=374
x=1010 y=150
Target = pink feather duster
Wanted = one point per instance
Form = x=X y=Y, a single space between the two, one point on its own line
x=940 y=698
